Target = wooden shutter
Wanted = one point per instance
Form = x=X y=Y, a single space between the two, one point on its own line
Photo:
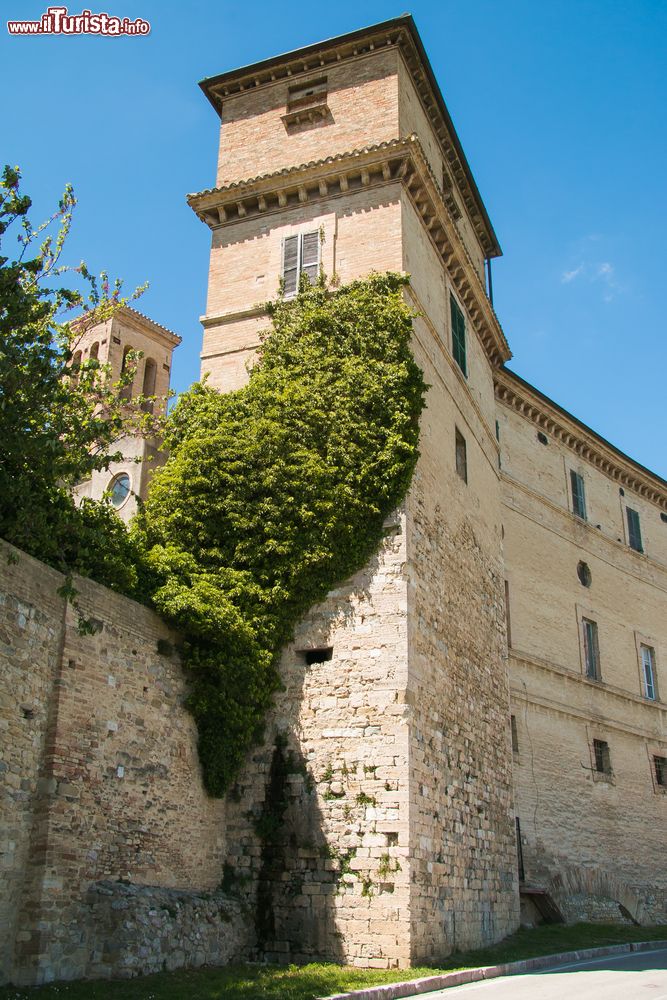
x=647 y=664
x=310 y=255
x=578 y=495
x=458 y=336
x=634 y=530
x=290 y=264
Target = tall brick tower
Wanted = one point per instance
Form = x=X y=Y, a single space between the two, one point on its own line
x=392 y=736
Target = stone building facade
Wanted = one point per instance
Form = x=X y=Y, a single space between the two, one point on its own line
x=471 y=723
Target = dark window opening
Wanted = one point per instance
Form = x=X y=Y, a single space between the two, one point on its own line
x=634 y=530
x=591 y=649
x=660 y=766
x=542 y=438
x=461 y=456
x=663 y=516
x=458 y=336
x=94 y=351
x=126 y=391
x=584 y=574
x=515 y=734
x=578 y=495
x=602 y=757
x=507 y=613
x=321 y=655
x=519 y=851
x=150 y=377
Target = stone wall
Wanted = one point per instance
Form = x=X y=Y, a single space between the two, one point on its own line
x=99 y=772
x=319 y=831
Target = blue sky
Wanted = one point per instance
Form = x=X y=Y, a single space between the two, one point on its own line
x=560 y=107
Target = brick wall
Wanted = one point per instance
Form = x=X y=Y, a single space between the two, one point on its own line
x=100 y=776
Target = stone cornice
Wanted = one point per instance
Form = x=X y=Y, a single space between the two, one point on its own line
x=551 y=419
x=134 y=318
x=399 y=160
x=400 y=33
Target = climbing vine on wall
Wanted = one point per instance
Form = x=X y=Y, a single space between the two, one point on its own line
x=276 y=492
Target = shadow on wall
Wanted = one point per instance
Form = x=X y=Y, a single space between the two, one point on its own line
x=308 y=821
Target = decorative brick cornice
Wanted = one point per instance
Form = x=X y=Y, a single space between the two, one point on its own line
x=550 y=418
x=400 y=33
x=138 y=318
x=397 y=161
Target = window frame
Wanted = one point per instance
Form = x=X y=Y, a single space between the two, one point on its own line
x=578 y=495
x=634 y=530
x=659 y=768
x=587 y=646
x=643 y=642
x=460 y=455
x=300 y=266
x=458 y=330
x=601 y=755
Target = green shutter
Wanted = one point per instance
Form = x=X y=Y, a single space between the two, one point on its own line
x=578 y=495
x=458 y=336
x=634 y=530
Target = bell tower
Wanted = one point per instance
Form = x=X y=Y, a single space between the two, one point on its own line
x=110 y=342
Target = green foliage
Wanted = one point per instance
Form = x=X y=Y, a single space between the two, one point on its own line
x=276 y=492
x=58 y=423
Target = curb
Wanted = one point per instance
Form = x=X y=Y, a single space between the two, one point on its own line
x=415 y=987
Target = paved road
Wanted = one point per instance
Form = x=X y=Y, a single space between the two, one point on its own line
x=634 y=976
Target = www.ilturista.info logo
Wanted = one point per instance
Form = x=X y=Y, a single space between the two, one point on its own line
x=57 y=21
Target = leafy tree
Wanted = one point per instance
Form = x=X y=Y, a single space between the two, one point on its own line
x=57 y=424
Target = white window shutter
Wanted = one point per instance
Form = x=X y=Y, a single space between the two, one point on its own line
x=290 y=264
x=310 y=255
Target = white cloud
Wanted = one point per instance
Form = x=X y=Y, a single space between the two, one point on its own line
x=568 y=276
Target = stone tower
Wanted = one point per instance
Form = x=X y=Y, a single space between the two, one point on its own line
x=111 y=341
x=389 y=751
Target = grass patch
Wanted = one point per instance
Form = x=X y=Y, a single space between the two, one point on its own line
x=267 y=982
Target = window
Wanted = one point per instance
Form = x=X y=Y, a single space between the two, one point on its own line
x=316 y=655
x=119 y=487
x=126 y=391
x=150 y=376
x=515 y=734
x=458 y=336
x=94 y=351
x=660 y=768
x=591 y=649
x=305 y=94
x=602 y=758
x=461 y=456
x=301 y=255
x=542 y=438
x=648 y=671
x=507 y=613
x=634 y=530
x=584 y=574
x=578 y=495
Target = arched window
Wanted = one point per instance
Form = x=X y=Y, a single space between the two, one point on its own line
x=76 y=364
x=94 y=351
x=126 y=391
x=150 y=376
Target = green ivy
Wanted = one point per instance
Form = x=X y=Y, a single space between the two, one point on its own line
x=276 y=492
